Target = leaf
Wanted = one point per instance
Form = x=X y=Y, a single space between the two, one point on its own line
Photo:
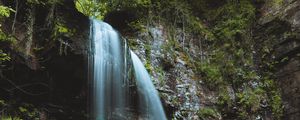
x=5 y=11
x=22 y=109
x=2 y=102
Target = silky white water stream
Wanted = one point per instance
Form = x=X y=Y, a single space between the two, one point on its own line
x=113 y=97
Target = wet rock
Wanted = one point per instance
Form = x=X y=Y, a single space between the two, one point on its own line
x=37 y=58
x=178 y=60
x=281 y=24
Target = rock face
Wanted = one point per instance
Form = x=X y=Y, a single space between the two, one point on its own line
x=277 y=25
x=280 y=24
x=172 y=77
x=38 y=24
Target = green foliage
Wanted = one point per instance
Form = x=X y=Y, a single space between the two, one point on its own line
x=231 y=65
x=5 y=11
x=44 y=2
x=61 y=29
x=235 y=19
x=138 y=25
x=233 y=54
x=197 y=27
x=276 y=106
x=126 y=4
x=148 y=58
x=250 y=98
x=275 y=101
x=274 y=3
x=9 y=118
x=14 y=111
x=3 y=57
x=132 y=43
x=91 y=8
x=161 y=75
x=98 y=9
x=224 y=99
x=28 y=111
x=5 y=40
x=207 y=113
x=212 y=74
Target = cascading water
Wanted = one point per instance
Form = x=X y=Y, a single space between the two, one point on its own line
x=122 y=88
x=147 y=91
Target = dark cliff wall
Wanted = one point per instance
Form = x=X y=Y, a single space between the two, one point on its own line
x=171 y=54
x=279 y=24
x=48 y=66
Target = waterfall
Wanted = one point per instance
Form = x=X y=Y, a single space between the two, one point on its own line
x=122 y=88
x=147 y=93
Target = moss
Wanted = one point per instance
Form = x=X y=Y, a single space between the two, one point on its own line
x=138 y=25
x=231 y=62
x=148 y=58
x=290 y=35
x=161 y=75
x=148 y=66
x=148 y=50
x=236 y=19
x=197 y=27
x=275 y=101
x=208 y=113
x=10 y=118
x=276 y=106
x=13 y=111
x=224 y=98
x=132 y=43
x=275 y=3
x=211 y=75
